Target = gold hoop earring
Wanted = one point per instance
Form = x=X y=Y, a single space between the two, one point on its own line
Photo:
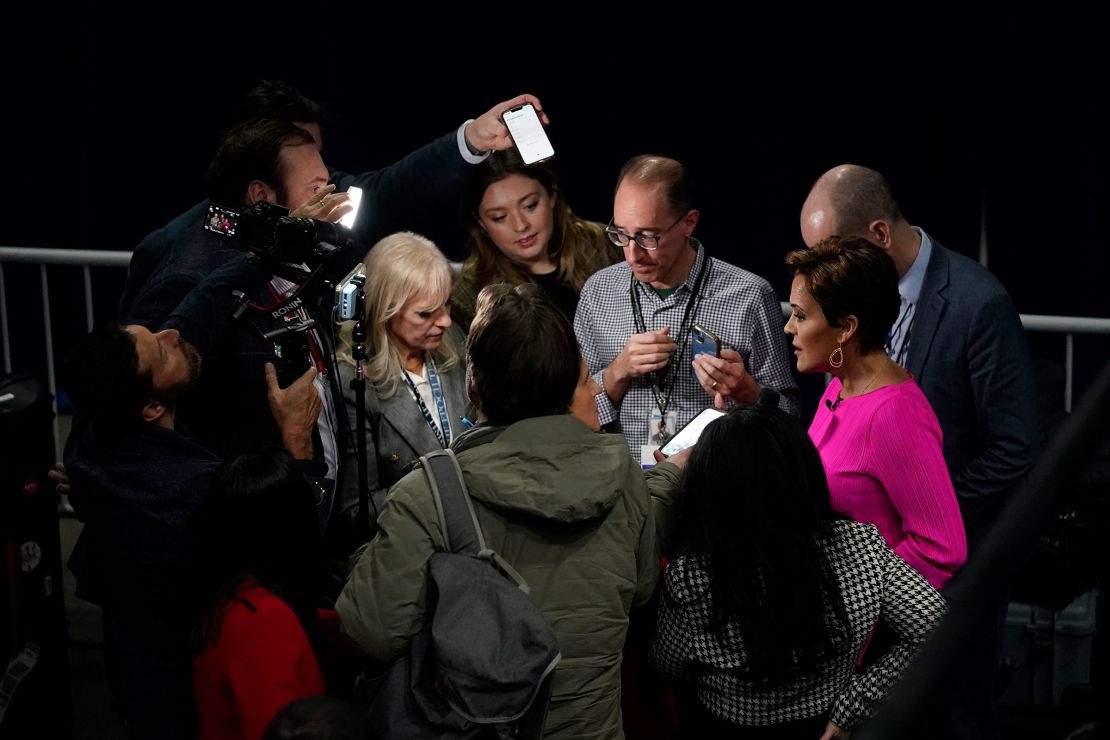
x=836 y=359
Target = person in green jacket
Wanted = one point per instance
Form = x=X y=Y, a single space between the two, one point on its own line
x=567 y=507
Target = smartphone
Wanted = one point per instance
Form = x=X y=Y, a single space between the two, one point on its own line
x=528 y=135
x=689 y=434
x=356 y=197
x=703 y=341
x=346 y=294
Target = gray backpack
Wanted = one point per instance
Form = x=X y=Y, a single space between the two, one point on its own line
x=482 y=666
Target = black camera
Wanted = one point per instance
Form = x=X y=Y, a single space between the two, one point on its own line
x=272 y=237
x=298 y=250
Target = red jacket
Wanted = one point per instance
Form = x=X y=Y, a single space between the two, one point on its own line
x=261 y=661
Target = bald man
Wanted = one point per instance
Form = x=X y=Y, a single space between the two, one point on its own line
x=960 y=336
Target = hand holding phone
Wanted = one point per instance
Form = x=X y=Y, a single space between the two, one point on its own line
x=528 y=134
x=348 y=219
x=703 y=341
x=688 y=435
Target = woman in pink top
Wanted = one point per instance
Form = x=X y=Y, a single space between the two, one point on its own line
x=878 y=437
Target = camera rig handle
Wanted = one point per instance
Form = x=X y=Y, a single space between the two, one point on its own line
x=282 y=324
x=358 y=385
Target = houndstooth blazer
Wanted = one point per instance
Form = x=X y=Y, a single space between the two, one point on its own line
x=873 y=582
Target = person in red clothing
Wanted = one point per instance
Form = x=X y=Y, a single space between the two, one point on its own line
x=259 y=640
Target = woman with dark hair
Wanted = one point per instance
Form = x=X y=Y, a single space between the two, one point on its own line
x=877 y=434
x=259 y=639
x=522 y=230
x=772 y=595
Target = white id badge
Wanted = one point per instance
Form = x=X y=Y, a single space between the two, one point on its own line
x=661 y=427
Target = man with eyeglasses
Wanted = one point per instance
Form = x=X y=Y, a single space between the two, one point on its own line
x=634 y=318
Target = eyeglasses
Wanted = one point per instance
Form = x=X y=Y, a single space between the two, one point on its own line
x=649 y=242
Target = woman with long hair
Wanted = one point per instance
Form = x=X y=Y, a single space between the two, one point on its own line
x=522 y=230
x=416 y=397
x=772 y=595
x=258 y=641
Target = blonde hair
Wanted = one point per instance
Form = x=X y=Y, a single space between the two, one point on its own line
x=398 y=268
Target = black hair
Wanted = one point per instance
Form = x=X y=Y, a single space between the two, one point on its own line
x=318 y=718
x=850 y=276
x=757 y=504
x=522 y=355
x=276 y=99
x=251 y=151
x=259 y=522
x=101 y=375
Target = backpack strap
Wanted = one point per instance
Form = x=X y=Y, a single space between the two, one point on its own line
x=457 y=518
x=456 y=512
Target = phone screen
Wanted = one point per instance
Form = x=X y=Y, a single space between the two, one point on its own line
x=223 y=221
x=346 y=293
x=356 y=197
x=528 y=134
x=689 y=434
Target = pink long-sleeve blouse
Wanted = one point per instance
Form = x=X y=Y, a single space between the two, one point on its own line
x=883 y=457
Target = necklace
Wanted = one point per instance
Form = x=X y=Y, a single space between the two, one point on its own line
x=834 y=405
x=870 y=382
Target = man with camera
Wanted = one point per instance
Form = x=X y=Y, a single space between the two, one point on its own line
x=137 y=484
x=277 y=162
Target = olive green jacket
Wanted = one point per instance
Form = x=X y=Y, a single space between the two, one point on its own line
x=571 y=511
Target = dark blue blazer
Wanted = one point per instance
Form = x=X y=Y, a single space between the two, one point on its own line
x=969 y=354
x=172 y=260
x=182 y=276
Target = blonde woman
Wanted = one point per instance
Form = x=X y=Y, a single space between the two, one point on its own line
x=415 y=383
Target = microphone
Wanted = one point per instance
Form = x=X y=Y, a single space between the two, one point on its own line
x=832 y=405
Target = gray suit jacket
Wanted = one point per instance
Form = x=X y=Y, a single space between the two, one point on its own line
x=396 y=436
x=969 y=354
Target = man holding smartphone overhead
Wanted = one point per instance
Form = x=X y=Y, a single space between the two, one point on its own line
x=635 y=319
x=278 y=161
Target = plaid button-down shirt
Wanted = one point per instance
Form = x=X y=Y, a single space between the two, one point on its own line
x=739 y=307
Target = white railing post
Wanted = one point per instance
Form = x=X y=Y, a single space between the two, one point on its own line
x=48 y=327
x=88 y=298
x=1069 y=367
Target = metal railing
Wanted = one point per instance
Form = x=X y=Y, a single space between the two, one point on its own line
x=1069 y=326
x=44 y=258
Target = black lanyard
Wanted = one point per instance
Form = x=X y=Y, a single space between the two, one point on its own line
x=442 y=434
x=666 y=387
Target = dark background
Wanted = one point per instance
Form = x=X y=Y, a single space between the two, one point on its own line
x=981 y=117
